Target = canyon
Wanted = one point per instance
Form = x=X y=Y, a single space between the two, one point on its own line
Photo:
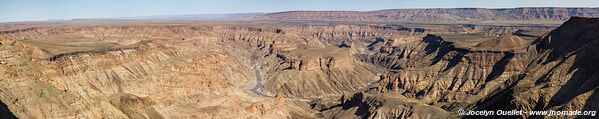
x=406 y=63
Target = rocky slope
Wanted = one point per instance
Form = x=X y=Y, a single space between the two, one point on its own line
x=148 y=79
x=563 y=75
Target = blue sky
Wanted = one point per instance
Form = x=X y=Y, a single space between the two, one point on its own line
x=36 y=10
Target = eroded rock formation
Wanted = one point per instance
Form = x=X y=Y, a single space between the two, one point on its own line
x=554 y=72
x=563 y=75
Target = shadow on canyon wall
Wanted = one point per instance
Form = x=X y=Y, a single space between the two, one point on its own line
x=5 y=113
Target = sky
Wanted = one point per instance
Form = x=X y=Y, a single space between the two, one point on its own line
x=39 y=10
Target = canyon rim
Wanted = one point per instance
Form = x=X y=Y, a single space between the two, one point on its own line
x=431 y=63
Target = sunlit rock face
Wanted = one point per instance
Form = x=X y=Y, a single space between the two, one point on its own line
x=554 y=72
x=563 y=75
x=136 y=72
x=180 y=71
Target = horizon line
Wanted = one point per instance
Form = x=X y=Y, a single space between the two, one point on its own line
x=299 y=10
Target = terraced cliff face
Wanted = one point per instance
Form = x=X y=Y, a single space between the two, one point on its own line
x=318 y=72
x=441 y=15
x=435 y=74
x=180 y=71
x=434 y=70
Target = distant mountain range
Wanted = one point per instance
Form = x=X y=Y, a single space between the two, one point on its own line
x=405 y=15
x=235 y=16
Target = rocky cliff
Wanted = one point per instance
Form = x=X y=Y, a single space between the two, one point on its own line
x=436 y=15
x=168 y=71
x=563 y=75
x=554 y=72
x=136 y=73
x=439 y=74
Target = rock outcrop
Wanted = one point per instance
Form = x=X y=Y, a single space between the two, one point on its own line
x=388 y=106
x=318 y=72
